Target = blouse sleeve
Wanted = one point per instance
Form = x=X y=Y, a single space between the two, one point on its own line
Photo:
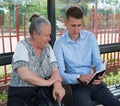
x=52 y=55
x=53 y=61
x=20 y=53
x=20 y=56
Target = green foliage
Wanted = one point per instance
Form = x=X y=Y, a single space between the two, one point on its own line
x=112 y=79
x=29 y=10
x=3 y=97
x=26 y=8
x=2 y=71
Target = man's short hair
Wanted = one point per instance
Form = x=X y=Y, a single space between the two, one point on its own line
x=75 y=12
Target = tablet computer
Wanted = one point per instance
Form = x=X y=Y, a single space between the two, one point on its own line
x=95 y=76
x=98 y=73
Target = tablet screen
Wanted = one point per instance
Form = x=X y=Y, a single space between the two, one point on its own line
x=95 y=76
x=98 y=73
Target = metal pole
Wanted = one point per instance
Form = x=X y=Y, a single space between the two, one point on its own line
x=17 y=22
x=96 y=3
x=51 y=18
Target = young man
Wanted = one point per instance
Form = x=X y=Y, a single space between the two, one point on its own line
x=76 y=52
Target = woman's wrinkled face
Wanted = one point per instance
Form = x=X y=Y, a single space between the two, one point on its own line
x=43 y=38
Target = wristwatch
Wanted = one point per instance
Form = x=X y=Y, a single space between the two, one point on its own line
x=78 y=78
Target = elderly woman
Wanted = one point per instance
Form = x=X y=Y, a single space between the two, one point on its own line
x=35 y=79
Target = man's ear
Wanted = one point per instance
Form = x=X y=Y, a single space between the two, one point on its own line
x=65 y=22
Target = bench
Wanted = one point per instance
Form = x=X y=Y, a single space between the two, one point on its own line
x=115 y=89
x=6 y=58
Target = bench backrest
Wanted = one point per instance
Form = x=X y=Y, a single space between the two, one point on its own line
x=6 y=58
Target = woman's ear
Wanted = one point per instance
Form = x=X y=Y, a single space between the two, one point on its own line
x=35 y=33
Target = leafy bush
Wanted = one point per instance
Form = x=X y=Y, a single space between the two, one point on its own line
x=2 y=71
x=112 y=79
x=3 y=98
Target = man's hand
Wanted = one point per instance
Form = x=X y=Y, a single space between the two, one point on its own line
x=85 y=78
x=100 y=79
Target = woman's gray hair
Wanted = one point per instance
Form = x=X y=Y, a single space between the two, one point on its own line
x=36 y=22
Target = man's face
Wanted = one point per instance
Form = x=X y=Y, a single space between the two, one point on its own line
x=74 y=26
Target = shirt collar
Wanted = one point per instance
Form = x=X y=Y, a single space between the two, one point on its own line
x=68 y=39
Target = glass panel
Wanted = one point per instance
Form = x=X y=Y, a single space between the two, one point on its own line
x=14 y=20
x=61 y=6
x=99 y=15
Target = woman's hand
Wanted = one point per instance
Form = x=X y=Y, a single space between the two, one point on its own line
x=58 y=91
x=57 y=85
x=55 y=77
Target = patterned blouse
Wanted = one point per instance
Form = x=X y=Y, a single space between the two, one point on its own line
x=25 y=55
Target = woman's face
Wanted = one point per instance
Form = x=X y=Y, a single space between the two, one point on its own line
x=43 y=38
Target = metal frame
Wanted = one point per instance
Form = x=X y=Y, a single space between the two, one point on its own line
x=6 y=58
x=108 y=48
x=51 y=18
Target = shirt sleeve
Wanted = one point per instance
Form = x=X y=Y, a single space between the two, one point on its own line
x=96 y=58
x=67 y=78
